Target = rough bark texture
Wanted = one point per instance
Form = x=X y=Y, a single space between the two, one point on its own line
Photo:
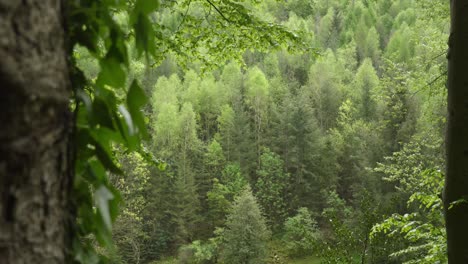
x=456 y=184
x=34 y=134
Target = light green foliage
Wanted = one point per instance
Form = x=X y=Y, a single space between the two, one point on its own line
x=424 y=228
x=355 y=145
x=224 y=192
x=327 y=34
x=187 y=128
x=300 y=234
x=165 y=127
x=401 y=45
x=165 y=92
x=273 y=187
x=257 y=97
x=407 y=165
x=226 y=129
x=366 y=84
x=325 y=89
x=407 y=16
x=215 y=158
x=199 y=252
x=234 y=180
x=341 y=244
x=257 y=91
x=218 y=202
x=246 y=235
x=191 y=88
x=231 y=79
x=372 y=48
x=209 y=101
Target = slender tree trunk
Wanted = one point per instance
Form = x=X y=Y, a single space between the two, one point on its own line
x=456 y=183
x=35 y=167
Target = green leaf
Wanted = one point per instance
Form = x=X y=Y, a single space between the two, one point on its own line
x=128 y=120
x=106 y=158
x=102 y=232
x=107 y=96
x=106 y=136
x=102 y=141
x=136 y=98
x=98 y=172
x=102 y=197
x=111 y=73
x=114 y=203
x=100 y=114
x=82 y=117
x=144 y=35
x=128 y=129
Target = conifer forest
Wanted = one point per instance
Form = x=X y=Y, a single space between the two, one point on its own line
x=234 y=132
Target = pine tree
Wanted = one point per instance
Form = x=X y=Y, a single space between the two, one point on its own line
x=257 y=97
x=366 y=84
x=273 y=187
x=246 y=234
x=226 y=131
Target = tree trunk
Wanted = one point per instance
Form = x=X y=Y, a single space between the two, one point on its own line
x=35 y=161
x=456 y=183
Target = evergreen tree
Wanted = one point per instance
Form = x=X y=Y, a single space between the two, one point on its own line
x=366 y=84
x=273 y=189
x=300 y=233
x=257 y=97
x=325 y=90
x=227 y=131
x=246 y=235
x=221 y=197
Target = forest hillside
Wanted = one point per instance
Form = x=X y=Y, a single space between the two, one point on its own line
x=329 y=154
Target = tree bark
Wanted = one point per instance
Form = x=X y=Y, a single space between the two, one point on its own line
x=456 y=183
x=35 y=161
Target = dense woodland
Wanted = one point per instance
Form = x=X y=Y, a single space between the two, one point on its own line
x=336 y=152
x=319 y=140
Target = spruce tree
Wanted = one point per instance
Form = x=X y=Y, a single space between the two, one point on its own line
x=246 y=234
